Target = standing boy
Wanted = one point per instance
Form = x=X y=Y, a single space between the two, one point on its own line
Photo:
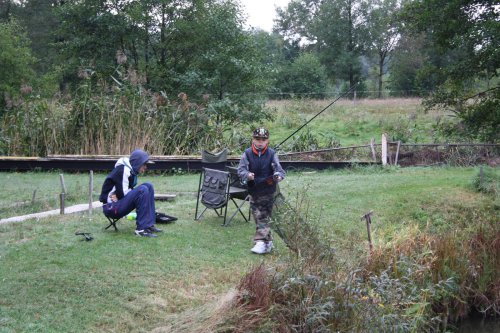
x=120 y=196
x=260 y=168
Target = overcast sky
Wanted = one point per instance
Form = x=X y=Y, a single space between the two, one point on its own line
x=262 y=12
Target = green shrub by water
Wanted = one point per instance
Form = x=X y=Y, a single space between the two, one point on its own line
x=420 y=278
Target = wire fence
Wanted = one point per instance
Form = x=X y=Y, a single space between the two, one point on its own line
x=456 y=154
x=358 y=94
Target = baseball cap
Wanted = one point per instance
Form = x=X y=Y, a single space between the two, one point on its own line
x=261 y=132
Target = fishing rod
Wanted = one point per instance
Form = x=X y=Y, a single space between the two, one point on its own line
x=344 y=94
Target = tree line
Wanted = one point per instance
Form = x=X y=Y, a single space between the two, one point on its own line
x=200 y=52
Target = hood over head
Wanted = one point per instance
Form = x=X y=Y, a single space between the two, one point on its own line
x=138 y=158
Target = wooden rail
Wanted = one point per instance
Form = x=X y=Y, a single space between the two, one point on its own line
x=162 y=163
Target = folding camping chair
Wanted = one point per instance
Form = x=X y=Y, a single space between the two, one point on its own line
x=213 y=191
x=112 y=222
x=216 y=161
x=216 y=188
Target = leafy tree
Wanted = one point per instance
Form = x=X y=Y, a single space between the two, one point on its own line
x=6 y=7
x=408 y=58
x=39 y=19
x=149 y=19
x=198 y=48
x=335 y=29
x=91 y=33
x=274 y=50
x=276 y=55
x=465 y=35
x=212 y=55
x=305 y=76
x=383 y=34
x=16 y=63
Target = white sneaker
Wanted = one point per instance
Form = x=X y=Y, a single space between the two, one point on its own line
x=259 y=247
x=269 y=246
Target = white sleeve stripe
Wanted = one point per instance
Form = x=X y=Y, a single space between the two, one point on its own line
x=125 y=182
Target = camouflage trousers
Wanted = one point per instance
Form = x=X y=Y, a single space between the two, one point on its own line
x=262 y=207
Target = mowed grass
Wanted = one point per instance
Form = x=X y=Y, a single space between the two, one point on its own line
x=54 y=281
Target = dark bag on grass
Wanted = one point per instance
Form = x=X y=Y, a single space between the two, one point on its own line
x=164 y=218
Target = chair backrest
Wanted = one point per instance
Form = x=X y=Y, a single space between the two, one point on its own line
x=214 y=161
x=214 y=188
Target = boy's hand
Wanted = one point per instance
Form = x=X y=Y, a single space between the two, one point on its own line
x=277 y=177
x=113 y=197
x=251 y=176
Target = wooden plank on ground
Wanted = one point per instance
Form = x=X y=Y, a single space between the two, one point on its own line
x=164 y=197
x=67 y=210
x=73 y=209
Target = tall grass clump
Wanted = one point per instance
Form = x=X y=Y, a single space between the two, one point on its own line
x=131 y=117
x=293 y=296
x=35 y=127
x=100 y=118
x=487 y=181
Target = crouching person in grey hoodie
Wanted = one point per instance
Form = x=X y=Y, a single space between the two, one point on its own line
x=120 y=195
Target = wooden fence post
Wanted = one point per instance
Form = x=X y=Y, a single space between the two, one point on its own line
x=63 y=185
x=372 y=146
x=368 y=219
x=91 y=190
x=384 y=149
x=63 y=194
x=33 y=197
x=61 y=202
x=397 y=153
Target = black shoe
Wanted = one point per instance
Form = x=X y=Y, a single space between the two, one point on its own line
x=145 y=233
x=153 y=229
x=164 y=218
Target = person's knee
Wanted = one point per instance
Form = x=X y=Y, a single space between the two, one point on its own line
x=149 y=186
x=143 y=188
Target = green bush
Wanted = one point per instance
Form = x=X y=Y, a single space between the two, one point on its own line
x=487 y=181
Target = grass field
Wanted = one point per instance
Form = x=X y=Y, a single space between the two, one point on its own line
x=356 y=122
x=53 y=281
